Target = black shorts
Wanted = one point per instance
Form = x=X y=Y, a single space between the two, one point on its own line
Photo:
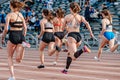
x=48 y=37
x=75 y=35
x=60 y=35
x=16 y=37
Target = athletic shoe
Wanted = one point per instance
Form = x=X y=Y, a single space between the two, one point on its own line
x=96 y=58
x=64 y=71
x=25 y=44
x=65 y=50
x=11 y=78
x=41 y=66
x=86 y=49
x=55 y=63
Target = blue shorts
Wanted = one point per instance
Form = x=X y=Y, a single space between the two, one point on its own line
x=109 y=35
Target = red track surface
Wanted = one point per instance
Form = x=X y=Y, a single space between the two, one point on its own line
x=84 y=68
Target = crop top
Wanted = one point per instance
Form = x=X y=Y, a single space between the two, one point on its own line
x=49 y=25
x=16 y=24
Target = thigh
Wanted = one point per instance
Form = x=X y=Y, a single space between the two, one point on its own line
x=111 y=43
x=42 y=45
x=72 y=47
x=10 y=48
x=79 y=43
x=58 y=41
x=19 y=49
x=103 y=42
x=51 y=45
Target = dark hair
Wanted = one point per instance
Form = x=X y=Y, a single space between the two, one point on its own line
x=16 y=4
x=48 y=14
x=107 y=13
x=75 y=7
x=60 y=13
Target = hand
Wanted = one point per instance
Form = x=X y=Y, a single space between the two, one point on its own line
x=99 y=35
x=38 y=36
x=24 y=34
x=3 y=42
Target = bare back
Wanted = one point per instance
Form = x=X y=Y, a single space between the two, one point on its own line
x=58 y=24
x=16 y=17
x=73 y=22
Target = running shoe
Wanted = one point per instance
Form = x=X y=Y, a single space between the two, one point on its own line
x=25 y=44
x=11 y=78
x=86 y=49
x=41 y=66
x=64 y=71
x=96 y=58
x=55 y=63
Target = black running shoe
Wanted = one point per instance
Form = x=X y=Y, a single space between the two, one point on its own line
x=41 y=66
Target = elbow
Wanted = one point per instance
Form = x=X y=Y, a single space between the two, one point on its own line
x=87 y=24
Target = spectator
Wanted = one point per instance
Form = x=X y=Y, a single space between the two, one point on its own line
x=49 y=5
x=104 y=7
x=3 y=16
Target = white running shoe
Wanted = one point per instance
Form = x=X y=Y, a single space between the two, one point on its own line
x=96 y=58
x=11 y=78
x=55 y=63
x=25 y=44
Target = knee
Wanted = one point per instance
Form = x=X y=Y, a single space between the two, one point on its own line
x=9 y=57
x=41 y=49
x=72 y=56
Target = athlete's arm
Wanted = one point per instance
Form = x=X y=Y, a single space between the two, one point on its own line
x=42 y=28
x=6 y=26
x=87 y=25
x=103 y=26
x=24 y=25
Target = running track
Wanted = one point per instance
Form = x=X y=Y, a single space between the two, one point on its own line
x=85 y=68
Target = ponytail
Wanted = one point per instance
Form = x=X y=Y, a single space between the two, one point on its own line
x=16 y=4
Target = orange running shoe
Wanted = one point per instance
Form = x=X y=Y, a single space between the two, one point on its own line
x=86 y=49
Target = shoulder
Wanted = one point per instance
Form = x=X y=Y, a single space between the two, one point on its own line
x=9 y=15
x=43 y=21
x=55 y=19
x=103 y=20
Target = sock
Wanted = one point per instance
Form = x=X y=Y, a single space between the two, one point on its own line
x=78 y=53
x=68 y=62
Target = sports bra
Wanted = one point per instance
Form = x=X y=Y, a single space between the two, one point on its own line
x=74 y=23
x=59 y=24
x=16 y=24
x=49 y=25
x=109 y=27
